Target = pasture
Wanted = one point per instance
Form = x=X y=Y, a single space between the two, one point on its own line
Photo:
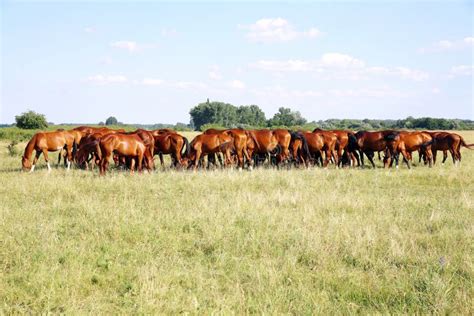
x=267 y=241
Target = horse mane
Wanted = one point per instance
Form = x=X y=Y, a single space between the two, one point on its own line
x=30 y=147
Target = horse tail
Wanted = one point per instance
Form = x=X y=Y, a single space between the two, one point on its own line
x=304 y=142
x=186 y=143
x=353 y=144
x=98 y=150
x=390 y=136
x=463 y=143
x=426 y=144
x=252 y=136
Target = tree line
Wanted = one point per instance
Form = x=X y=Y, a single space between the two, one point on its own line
x=225 y=115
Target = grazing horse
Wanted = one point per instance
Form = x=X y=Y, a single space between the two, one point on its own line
x=445 y=142
x=149 y=141
x=283 y=137
x=205 y=144
x=87 y=149
x=369 y=142
x=316 y=143
x=129 y=146
x=329 y=147
x=171 y=143
x=240 y=137
x=44 y=142
x=343 y=149
x=406 y=143
x=262 y=142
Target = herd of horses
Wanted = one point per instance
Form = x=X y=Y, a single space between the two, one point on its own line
x=88 y=147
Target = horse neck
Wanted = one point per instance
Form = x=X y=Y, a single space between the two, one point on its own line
x=29 y=148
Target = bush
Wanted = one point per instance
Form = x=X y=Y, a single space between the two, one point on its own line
x=31 y=120
x=12 y=150
x=111 y=121
x=211 y=125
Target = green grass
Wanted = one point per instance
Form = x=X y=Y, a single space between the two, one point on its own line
x=267 y=241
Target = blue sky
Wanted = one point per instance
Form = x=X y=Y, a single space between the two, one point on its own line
x=151 y=62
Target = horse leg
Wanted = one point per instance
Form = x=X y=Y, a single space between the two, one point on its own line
x=69 y=157
x=132 y=165
x=37 y=154
x=46 y=158
x=59 y=156
x=198 y=158
x=370 y=156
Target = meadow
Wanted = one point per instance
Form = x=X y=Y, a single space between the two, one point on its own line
x=266 y=241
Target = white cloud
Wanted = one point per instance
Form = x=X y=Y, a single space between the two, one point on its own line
x=89 y=29
x=169 y=32
x=340 y=60
x=190 y=85
x=106 y=61
x=469 y=40
x=215 y=73
x=152 y=82
x=106 y=79
x=338 y=65
x=461 y=70
x=448 y=45
x=270 y=30
x=127 y=45
x=237 y=84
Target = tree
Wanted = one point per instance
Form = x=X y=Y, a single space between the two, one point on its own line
x=220 y=113
x=31 y=120
x=286 y=117
x=251 y=115
x=111 y=121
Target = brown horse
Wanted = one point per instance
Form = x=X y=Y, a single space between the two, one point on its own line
x=369 y=142
x=344 y=151
x=205 y=144
x=45 y=142
x=149 y=141
x=171 y=143
x=240 y=139
x=283 y=137
x=262 y=142
x=406 y=143
x=128 y=146
x=317 y=143
x=452 y=142
x=87 y=149
x=330 y=142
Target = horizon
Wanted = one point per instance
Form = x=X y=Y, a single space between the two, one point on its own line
x=150 y=63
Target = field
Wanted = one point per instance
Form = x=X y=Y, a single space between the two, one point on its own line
x=267 y=241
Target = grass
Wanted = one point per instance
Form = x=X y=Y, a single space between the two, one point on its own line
x=267 y=241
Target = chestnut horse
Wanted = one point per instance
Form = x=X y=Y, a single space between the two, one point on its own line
x=445 y=142
x=129 y=146
x=262 y=142
x=149 y=141
x=316 y=143
x=240 y=139
x=406 y=143
x=44 y=142
x=205 y=144
x=283 y=137
x=330 y=143
x=171 y=143
x=343 y=149
x=369 y=142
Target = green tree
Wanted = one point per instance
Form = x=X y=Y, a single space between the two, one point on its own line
x=251 y=115
x=111 y=121
x=286 y=117
x=220 y=113
x=31 y=120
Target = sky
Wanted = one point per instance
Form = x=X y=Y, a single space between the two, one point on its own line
x=151 y=62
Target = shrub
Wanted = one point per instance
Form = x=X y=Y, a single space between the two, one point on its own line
x=31 y=120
